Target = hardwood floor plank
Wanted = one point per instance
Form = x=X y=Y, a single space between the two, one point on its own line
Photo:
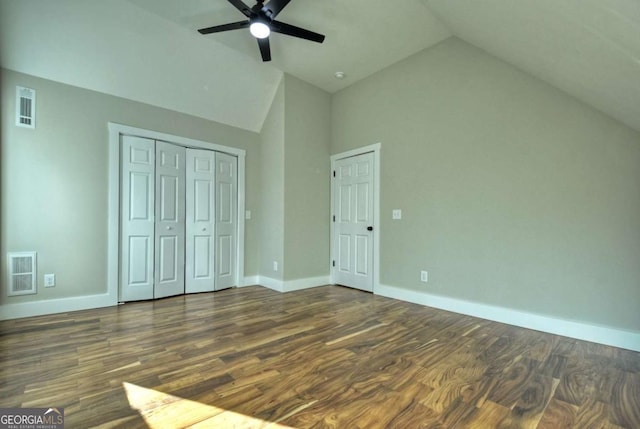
x=595 y=414
x=513 y=382
x=558 y=415
x=532 y=403
x=488 y=416
x=624 y=404
x=327 y=357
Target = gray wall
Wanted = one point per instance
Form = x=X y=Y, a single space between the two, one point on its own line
x=513 y=193
x=54 y=180
x=295 y=192
x=271 y=212
x=307 y=181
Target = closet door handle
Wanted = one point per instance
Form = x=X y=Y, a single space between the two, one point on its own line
x=169 y=228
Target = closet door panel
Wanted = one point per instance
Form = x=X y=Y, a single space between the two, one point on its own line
x=170 y=220
x=137 y=218
x=200 y=270
x=226 y=220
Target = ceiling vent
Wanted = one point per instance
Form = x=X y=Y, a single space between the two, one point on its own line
x=22 y=273
x=25 y=107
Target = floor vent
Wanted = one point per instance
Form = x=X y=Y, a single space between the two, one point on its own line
x=25 y=107
x=22 y=273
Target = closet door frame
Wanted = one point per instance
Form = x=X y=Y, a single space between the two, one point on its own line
x=113 y=231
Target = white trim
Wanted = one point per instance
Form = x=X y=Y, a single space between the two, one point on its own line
x=578 y=330
x=115 y=131
x=113 y=213
x=307 y=283
x=240 y=280
x=375 y=148
x=250 y=281
x=52 y=306
x=291 y=285
x=268 y=282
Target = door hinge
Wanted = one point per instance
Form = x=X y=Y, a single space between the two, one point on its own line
x=334 y=173
x=334 y=218
x=334 y=263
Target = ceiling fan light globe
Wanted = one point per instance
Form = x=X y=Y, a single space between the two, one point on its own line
x=259 y=30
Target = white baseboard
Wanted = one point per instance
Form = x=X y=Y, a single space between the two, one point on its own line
x=250 y=281
x=64 y=305
x=578 y=330
x=292 y=285
x=268 y=282
x=52 y=306
x=308 y=283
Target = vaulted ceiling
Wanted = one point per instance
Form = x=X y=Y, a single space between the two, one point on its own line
x=150 y=51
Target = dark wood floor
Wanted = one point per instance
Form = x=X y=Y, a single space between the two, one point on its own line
x=324 y=357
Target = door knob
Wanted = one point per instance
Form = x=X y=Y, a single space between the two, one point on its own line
x=204 y=229
x=369 y=228
x=169 y=228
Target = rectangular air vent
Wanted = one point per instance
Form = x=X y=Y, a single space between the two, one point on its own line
x=21 y=269
x=25 y=107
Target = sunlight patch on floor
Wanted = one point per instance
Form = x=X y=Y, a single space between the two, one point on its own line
x=161 y=410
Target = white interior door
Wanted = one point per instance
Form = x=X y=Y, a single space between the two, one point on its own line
x=200 y=223
x=226 y=234
x=170 y=220
x=137 y=224
x=353 y=223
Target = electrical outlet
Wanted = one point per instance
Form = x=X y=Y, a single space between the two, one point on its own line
x=275 y=265
x=396 y=214
x=424 y=276
x=49 y=280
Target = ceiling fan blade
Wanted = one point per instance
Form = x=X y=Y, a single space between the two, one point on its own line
x=225 y=27
x=273 y=7
x=265 y=50
x=238 y=4
x=292 y=30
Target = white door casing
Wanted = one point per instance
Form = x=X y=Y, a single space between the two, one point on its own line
x=226 y=228
x=200 y=221
x=353 y=208
x=170 y=220
x=137 y=218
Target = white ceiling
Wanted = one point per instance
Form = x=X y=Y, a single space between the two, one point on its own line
x=362 y=36
x=149 y=50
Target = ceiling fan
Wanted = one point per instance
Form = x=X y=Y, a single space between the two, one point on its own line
x=262 y=22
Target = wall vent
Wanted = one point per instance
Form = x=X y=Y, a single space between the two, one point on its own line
x=21 y=268
x=25 y=107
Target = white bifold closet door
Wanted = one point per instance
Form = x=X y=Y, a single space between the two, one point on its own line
x=137 y=218
x=178 y=221
x=212 y=204
x=201 y=179
x=170 y=220
x=226 y=220
x=152 y=219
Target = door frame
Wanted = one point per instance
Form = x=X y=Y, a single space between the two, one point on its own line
x=113 y=219
x=375 y=148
